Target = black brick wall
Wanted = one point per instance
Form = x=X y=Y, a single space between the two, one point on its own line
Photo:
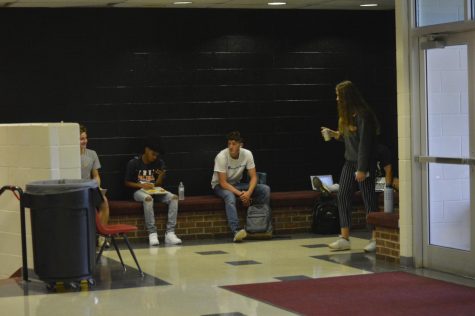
x=193 y=75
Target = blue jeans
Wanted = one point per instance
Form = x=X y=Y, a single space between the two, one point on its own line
x=261 y=195
x=149 y=213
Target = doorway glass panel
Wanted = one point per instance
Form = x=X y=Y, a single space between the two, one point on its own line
x=448 y=136
x=431 y=12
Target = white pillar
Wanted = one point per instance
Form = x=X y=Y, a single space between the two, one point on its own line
x=404 y=97
x=28 y=152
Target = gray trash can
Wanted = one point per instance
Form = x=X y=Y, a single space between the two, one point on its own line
x=63 y=228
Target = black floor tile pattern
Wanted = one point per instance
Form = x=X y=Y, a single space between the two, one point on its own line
x=292 y=278
x=360 y=260
x=215 y=252
x=315 y=246
x=109 y=275
x=242 y=262
x=226 y=314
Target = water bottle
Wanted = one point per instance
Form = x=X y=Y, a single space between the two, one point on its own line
x=388 y=199
x=181 y=191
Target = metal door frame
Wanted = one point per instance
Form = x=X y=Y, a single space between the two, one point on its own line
x=424 y=252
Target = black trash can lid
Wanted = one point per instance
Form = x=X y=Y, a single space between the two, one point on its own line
x=59 y=186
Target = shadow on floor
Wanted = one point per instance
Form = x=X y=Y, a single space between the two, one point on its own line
x=109 y=275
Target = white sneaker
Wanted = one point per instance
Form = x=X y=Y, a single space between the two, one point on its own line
x=153 y=239
x=172 y=239
x=239 y=235
x=340 y=244
x=371 y=246
x=100 y=241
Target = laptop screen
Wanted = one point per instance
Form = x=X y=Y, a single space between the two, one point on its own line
x=327 y=180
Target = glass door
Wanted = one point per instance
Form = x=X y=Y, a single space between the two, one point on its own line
x=448 y=164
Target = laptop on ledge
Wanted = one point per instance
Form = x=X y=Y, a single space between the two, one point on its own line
x=326 y=179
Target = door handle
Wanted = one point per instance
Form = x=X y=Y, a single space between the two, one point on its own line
x=445 y=160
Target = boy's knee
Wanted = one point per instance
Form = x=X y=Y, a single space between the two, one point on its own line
x=230 y=198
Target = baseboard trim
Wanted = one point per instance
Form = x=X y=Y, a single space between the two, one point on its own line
x=407 y=262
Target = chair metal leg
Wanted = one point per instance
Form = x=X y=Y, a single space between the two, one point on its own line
x=100 y=251
x=118 y=252
x=133 y=253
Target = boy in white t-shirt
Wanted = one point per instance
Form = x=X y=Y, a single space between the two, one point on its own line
x=229 y=166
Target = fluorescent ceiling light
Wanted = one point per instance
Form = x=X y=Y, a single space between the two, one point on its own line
x=276 y=3
x=182 y=2
x=369 y=5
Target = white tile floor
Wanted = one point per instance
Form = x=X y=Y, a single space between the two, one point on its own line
x=194 y=279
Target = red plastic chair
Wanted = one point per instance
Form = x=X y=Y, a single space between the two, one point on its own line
x=112 y=231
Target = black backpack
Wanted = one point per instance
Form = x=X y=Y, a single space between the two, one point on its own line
x=326 y=220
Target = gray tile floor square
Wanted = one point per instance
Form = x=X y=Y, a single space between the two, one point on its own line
x=315 y=246
x=242 y=263
x=109 y=275
x=292 y=277
x=226 y=314
x=215 y=252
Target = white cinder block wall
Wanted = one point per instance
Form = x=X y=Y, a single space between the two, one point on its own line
x=28 y=152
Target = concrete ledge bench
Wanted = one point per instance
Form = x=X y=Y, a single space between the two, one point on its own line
x=387 y=235
x=204 y=216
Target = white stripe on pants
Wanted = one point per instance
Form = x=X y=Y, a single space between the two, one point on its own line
x=347 y=189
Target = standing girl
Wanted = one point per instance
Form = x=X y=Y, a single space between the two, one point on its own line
x=358 y=127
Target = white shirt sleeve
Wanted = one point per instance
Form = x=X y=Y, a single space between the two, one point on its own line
x=250 y=161
x=220 y=163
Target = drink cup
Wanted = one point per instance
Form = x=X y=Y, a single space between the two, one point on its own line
x=326 y=134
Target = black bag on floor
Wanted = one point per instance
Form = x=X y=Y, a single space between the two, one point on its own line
x=259 y=221
x=326 y=220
